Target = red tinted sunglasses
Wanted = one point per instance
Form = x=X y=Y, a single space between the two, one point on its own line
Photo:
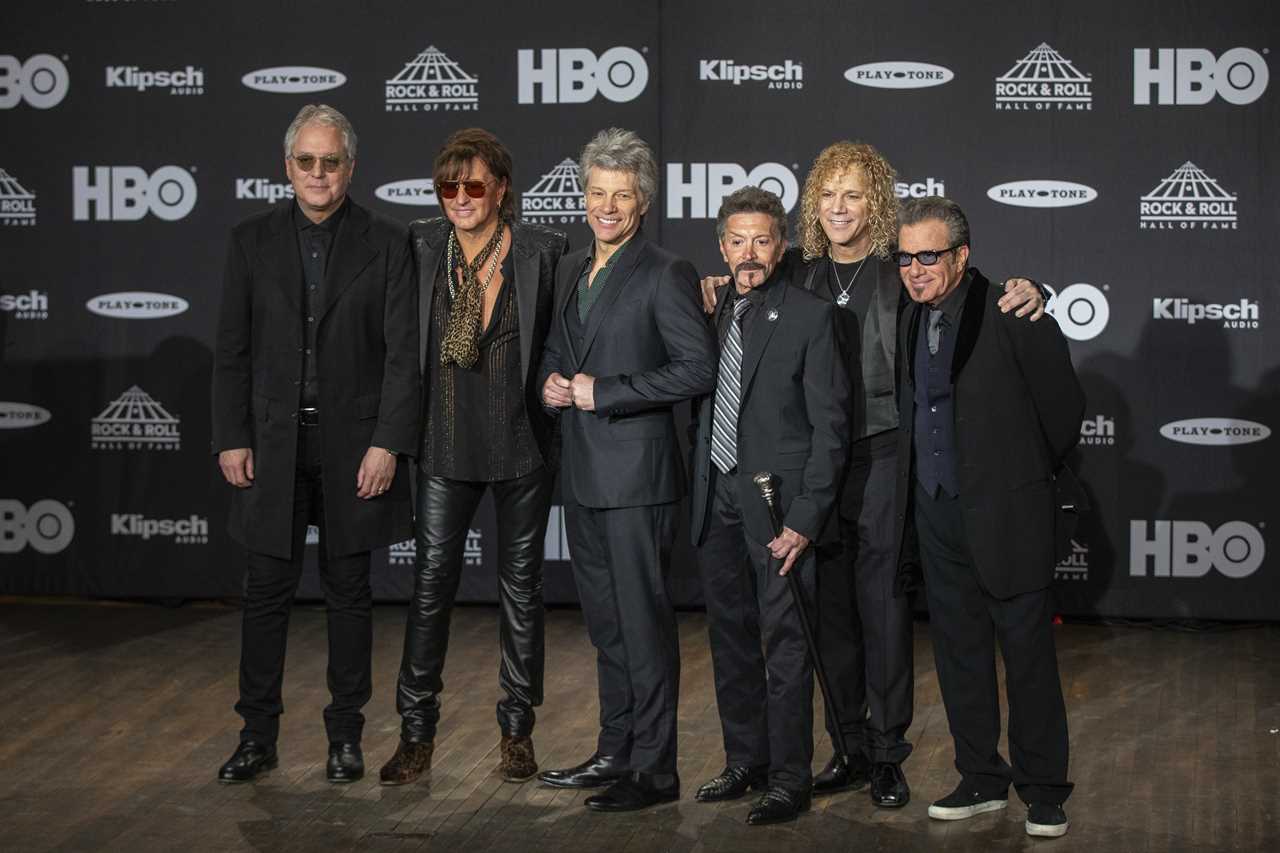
x=475 y=189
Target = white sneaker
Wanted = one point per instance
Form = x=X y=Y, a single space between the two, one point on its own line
x=964 y=803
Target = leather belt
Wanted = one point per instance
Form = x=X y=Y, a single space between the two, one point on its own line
x=308 y=416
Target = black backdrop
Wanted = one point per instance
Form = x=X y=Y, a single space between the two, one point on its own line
x=1123 y=153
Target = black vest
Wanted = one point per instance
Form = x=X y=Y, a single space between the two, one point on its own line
x=935 y=437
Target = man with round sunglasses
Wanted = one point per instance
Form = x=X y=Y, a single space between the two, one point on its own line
x=484 y=308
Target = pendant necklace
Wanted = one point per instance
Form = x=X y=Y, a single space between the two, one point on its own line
x=843 y=299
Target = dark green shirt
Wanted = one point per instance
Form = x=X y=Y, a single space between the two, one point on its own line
x=589 y=291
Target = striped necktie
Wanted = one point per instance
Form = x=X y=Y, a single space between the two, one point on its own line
x=724 y=423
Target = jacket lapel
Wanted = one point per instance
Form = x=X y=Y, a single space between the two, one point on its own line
x=888 y=293
x=433 y=243
x=279 y=254
x=910 y=335
x=975 y=303
x=350 y=254
x=616 y=283
x=567 y=273
x=526 y=285
x=761 y=330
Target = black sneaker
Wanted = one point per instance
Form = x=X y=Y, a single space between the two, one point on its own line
x=1046 y=820
x=964 y=802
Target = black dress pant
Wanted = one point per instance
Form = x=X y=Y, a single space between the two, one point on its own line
x=966 y=621
x=620 y=560
x=763 y=674
x=445 y=509
x=865 y=632
x=270 y=584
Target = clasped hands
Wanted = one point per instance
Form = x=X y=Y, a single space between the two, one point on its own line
x=561 y=393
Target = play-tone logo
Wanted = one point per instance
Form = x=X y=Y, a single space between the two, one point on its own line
x=293 y=79
x=1192 y=76
x=137 y=305
x=1042 y=193
x=1082 y=310
x=899 y=75
x=1075 y=566
x=47 y=526
x=262 y=189
x=1215 y=432
x=22 y=415
x=1099 y=431
x=419 y=192
x=920 y=189
x=786 y=75
x=17 y=204
x=1044 y=80
x=557 y=197
x=192 y=530
x=182 y=81
x=135 y=421
x=128 y=193
x=1233 y=315
x=432 y=81
x=1191 y=549
x=32 y=305
x=42 y=81
x=575 y=75
x=707 y=184
x=1188 y=200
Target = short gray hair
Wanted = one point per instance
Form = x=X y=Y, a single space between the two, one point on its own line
x=326 y=115
x=623 y=151
x=752 y=200
x=917 y=210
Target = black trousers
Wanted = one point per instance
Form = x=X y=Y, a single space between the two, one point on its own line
x=444 y=512
x=865 y=632
x=270 y=584
x=763 y=674
x=620 y=561
x=966 y=621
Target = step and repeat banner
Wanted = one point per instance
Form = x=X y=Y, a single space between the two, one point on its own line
x=1124 y=154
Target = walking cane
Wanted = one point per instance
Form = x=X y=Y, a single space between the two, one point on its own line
x=764 y=482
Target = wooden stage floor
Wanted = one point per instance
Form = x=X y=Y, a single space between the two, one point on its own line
x=114 y=719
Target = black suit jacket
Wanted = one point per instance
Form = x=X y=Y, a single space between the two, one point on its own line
x=794 y=419
x=648 y=346
x=366 y=360
x=1018 y=408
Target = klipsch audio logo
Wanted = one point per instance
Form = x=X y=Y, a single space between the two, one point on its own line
x=32 y=305
x=1100 y=430
x=42 y=81
x=17 y=204
x=137 y=305
x=432 y=81
x=293 y=79
x=1075 y=566
x=707 y=184
x=128 y=193
x=1233 y=315
x=1192 y=76
x=262 y=189
x=1217 y=432
x=920 y=189
x=180 y=81
x=1190 y=549
x=1044 y=80
x=1082 y=310
x=785 y=75
x=420 y=192
x=22 y=415
x=192 y=530
x=557 y=198
x=575 y=75
x=899 y=75
x=1042 y=193
x=1188 y=199
x=135 y=421
x=47 y=526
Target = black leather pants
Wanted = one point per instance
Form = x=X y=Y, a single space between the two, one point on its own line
x=445 y=509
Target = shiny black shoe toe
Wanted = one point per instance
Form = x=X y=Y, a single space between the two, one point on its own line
x=889 y=788
x=250 y=760
x=632 y=793
x=596 y=771
x=733 y=783
x=345 y=764
x=843 y=774
x=778 y=805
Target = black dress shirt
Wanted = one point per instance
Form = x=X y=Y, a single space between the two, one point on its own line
x=315 y=243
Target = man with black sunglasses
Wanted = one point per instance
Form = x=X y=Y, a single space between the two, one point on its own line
x=989 y=407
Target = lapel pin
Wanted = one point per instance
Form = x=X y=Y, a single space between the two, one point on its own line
x=773 y=314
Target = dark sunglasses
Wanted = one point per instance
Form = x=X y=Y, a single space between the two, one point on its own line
x=307 y=162
x=475 y=189
x=926 y=258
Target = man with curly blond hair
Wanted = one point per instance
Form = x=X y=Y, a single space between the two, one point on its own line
x=847 y=228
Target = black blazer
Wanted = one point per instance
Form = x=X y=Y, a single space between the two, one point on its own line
x=366 y=359
x=648 y=346
x=1018 y=408
x=536 y=251
x=794 y=420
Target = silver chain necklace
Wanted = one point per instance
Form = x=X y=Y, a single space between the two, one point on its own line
x=493 y=262
x=843 y=299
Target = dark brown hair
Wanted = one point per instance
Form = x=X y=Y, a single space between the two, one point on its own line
x=464 y=145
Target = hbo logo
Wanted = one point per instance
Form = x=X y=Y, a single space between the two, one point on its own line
x=709 y=183
x=127 y=193
x=574 y=75
x=46 y=527
x=1189 y=549
x=42 y=81
x=1192 y=75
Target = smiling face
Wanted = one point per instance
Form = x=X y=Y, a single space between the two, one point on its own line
x=843 y=209
x=614 y=206
x=931 y=283
x=319 y=193
x=475 y=215
x=751 y=247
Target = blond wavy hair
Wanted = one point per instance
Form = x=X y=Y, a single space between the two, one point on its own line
x=882 y=203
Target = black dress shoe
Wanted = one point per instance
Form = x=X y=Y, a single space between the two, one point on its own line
x=889 y=788
x=843 y=774
x=596 y=771
x=346 y=763
x=632 y=793
x=250 y=760
x=733 y=782
x=778 y=805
